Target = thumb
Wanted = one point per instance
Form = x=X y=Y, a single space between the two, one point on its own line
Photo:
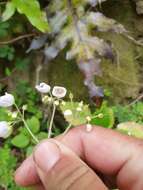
x=59 y=168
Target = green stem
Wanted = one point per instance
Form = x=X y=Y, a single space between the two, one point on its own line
x=25 y=124
x=51 y=122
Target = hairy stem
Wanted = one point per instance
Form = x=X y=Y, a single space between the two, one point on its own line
x=25 y=124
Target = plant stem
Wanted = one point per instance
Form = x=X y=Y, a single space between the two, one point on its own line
x=27 y=127
x=51 y=122
x=67 y=129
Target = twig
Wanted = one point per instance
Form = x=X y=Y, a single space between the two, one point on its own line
x=133 y=40
x=136 y=100
x=17 y=39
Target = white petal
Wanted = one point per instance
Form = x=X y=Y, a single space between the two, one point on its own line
x=43 y=88
x=7 y=100
x=59 y=92
x=5 y=129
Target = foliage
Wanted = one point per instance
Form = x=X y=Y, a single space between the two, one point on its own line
x=129 y=113
x=7 y=52
x=8 y=164
x=31 y=9
x=76 y=28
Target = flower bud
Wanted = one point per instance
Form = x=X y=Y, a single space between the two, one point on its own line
x=67 y=112
x=100 y=115
x=88 y=127
x=88 y=118
x=7 y=100
x=56 y=103
x=43 y=88
x=5 y=129
x=79 y=109
x=24 y=107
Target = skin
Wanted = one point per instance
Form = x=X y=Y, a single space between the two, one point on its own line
x=80 y=160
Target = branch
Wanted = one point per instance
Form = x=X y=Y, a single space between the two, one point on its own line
x=136 y=100
x=17 y=39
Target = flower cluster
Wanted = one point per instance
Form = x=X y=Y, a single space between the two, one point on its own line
x=58 y=91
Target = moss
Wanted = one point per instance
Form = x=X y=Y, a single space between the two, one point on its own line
x=122 y=79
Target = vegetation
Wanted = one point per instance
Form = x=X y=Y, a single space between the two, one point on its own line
x=91 y=42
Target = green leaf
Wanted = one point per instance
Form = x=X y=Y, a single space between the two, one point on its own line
x=103 y=117
x=20 y=141
x=77 y=117
x=4 y=26
x=9 y=11
x=29 y=150
x=31 y=9
x=33 y=124
x=42 y=135
x=7 y=71
x=131 y=128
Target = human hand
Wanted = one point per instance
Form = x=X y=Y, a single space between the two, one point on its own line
x=75 y=162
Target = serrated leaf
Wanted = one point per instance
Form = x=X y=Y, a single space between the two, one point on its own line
x=106 y=118
x=33 y=124
x=20 y=141
x=9 y=11
x=77 y=117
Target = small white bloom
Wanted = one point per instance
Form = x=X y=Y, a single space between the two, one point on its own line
x=88 y=118
x=43 y=88
x=5 y=129
x=79 y=109
x=67 y=112
x=56 y=102
x=59 y=92
x=7 y=100
x=89 y=127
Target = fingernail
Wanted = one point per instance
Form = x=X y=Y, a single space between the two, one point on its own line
x=46 y=155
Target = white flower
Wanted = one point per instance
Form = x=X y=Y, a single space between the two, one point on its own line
x=67 y=112
x=7 y=100
x=43 y=88
x=79 y=109
x=5 y=129
x=59 y=91
x=88 y=127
